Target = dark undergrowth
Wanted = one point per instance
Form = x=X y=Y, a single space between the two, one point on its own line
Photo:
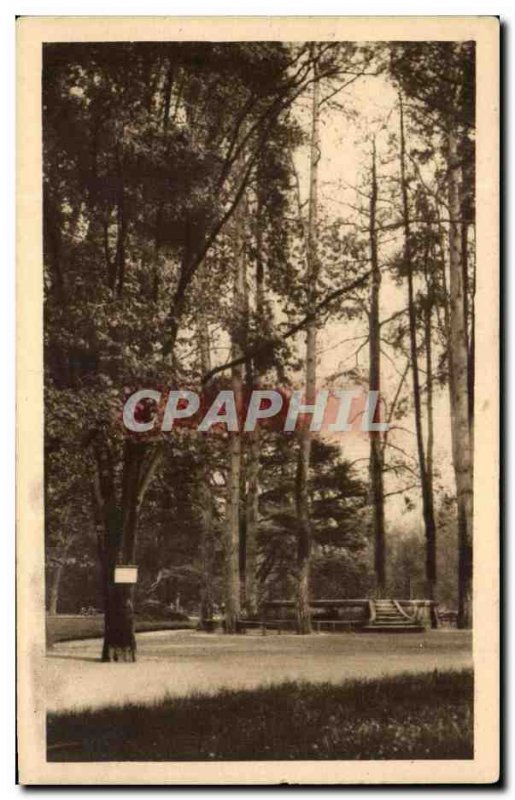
x=406 y=717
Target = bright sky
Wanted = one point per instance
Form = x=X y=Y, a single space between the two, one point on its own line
x=369 y=106
x=345 y=154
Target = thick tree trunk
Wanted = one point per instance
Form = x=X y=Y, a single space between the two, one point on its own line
x=426 y=484
x=119 y=637
x=304 y=534
x=376 y=449
x=462 y=449
x=119 y=538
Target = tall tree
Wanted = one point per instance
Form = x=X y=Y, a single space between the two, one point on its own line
x=459 y=356
x=254 y=438
x=124 y=123
x=425 y=477
x=376 y=448
x=302 y=497
x=431 y=543
x=206 y=504
x=233 y=509
x=440 y=78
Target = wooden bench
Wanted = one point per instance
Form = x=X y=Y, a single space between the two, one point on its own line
x=242 y=625
x=334 y=624
x=289 y=624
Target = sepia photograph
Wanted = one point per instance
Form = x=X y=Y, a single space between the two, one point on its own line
x=261 y=362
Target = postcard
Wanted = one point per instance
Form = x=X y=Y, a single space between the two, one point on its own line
x=258 y=400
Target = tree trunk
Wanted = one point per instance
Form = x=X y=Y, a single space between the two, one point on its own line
x=232 y=525
x=376 y=449
x=205 y=504
x=54 y=589
x=431 y=544
x=254 y=452
x=119 y=638
x=304 y=534
x=446 y=330
x=462 y=451
x=252 y=518
x=119 y=538
x=426 y=486
x=468 y=295
x=57 y=574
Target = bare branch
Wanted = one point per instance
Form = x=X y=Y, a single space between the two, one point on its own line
x=291 y=331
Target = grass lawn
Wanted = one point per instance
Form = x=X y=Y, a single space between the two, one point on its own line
x=66 y=627
x=404 y=717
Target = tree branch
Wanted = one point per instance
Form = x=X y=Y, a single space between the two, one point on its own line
x=290 y=332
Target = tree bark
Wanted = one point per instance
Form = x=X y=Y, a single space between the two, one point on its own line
x=232 y=526
x=119 y=639
x=252 y=519
x=431 y=544
x=254 y=451
x=459 y=388
x=206 y=504
x=468 y=292
x=304 y=534
x=376 y=449
x=427 y=494
x=118 y=544
x=119 y=636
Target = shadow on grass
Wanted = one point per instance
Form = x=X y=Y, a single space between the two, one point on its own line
x=405 y=717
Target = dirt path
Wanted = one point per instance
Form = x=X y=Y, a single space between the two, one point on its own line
x=181 y=662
